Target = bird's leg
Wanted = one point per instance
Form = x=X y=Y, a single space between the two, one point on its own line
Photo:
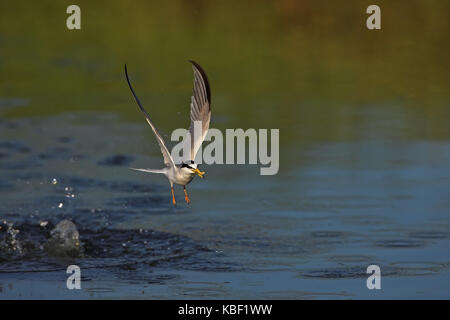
x=173 y=196
x=186 y=197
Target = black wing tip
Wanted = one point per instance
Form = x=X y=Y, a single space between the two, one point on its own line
x=126 y=72
x=195 y=64
x=205 y=79
x=134 y=93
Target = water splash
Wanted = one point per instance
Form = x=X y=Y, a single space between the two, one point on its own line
x=65 y=240
x=10 y=244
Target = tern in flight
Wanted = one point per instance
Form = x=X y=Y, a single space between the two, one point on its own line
x=183 y=173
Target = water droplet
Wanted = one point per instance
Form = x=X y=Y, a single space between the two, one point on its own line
x=54 y=181
x=43 y=223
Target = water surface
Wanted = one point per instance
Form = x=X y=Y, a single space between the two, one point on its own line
x=308 y=232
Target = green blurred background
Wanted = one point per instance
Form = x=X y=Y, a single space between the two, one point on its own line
x=295 y=65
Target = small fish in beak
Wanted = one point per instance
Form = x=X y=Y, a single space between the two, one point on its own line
x=198 y=172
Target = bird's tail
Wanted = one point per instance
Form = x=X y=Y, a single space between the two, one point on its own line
x=163 y=171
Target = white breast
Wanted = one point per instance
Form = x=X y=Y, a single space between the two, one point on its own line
x=182 y=176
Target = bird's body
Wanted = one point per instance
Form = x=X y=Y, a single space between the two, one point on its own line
x=181 y=176
x=184 y=173
x=176 y=175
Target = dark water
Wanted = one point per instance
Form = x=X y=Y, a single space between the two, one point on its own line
x=364 y=119
x=308 y=232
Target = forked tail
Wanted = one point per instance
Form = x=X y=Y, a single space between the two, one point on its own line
x=163 y=171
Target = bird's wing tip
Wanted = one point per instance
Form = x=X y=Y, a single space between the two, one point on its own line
x=205 y=79
x=195 y=64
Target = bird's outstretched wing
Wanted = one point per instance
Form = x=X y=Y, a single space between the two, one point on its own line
x=200 y=107
x=168 y=161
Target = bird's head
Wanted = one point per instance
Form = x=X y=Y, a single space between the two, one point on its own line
x=193 y=168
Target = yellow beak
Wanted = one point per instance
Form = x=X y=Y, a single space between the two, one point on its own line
x=198 y=172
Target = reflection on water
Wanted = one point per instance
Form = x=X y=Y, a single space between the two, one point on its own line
x=328 y=219
x=364 y=134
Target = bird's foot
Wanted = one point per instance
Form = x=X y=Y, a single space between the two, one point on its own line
x=173 y=196
x=186 y=197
